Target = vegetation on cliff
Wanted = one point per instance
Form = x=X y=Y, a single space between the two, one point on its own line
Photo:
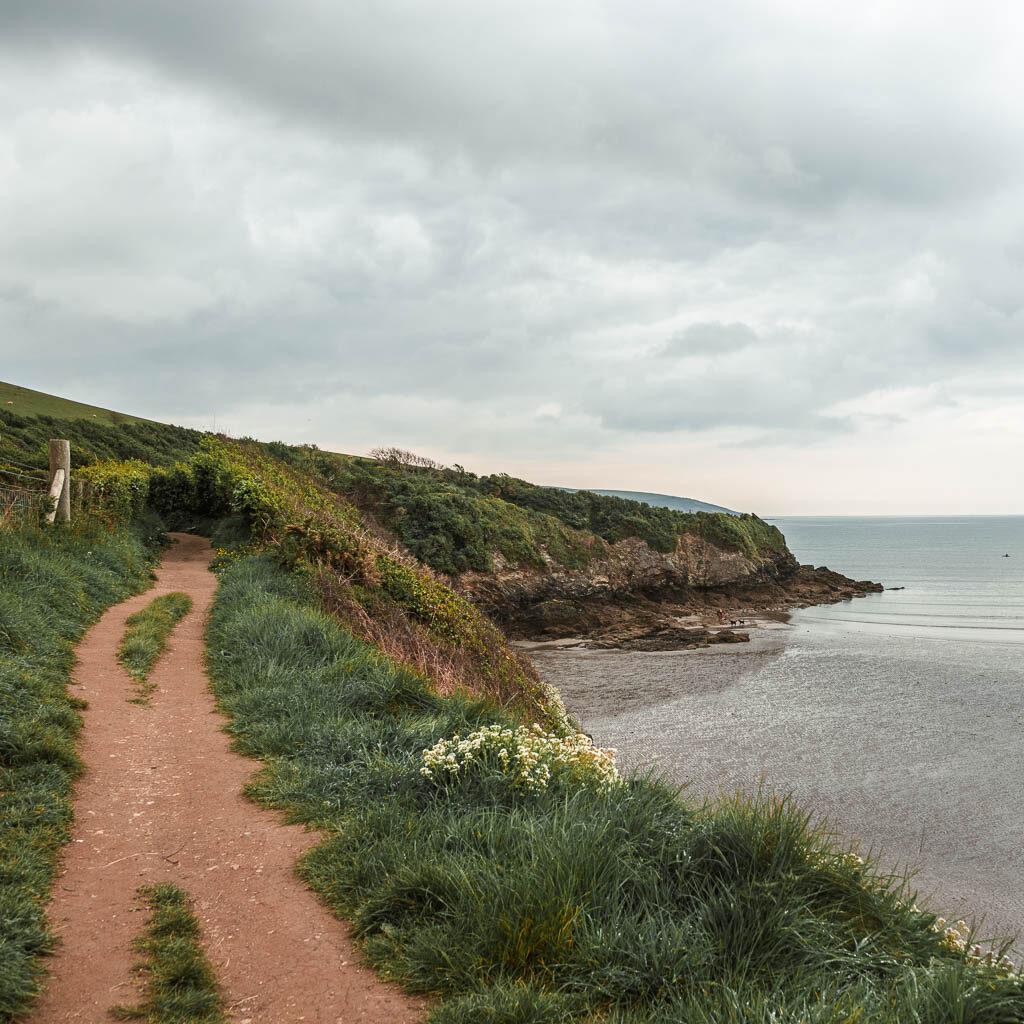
x=450 y=520
x=454 y=520
x=482 y=849
x=565 y=895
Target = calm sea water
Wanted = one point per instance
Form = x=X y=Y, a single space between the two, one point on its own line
x=959 y=587
x=898 y=718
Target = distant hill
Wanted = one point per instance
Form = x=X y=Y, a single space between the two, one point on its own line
x=660 y=500
x=26 y=402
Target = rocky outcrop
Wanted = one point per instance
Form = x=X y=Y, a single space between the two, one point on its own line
x=630 y=570
x=640 y=599
x=629 y=578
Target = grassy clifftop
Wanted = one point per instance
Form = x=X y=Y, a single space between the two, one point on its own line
x=480 y=846
x=455 y=521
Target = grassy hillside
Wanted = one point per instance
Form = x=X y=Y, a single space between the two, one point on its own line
x=454 y=520
x=484 y=851
x=449 y=519
x=24 y=440
x=26 y=402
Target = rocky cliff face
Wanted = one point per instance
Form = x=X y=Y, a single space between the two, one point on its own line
x=512 y=594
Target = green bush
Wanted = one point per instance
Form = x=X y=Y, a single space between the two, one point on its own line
x=118 y=491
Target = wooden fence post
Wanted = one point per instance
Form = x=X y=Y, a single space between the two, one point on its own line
x=60 y=464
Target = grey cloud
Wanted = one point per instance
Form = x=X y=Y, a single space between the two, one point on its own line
x=481 y=212
x=710 y=339
x=681 y=94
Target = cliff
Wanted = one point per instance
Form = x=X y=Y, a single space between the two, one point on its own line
x=634 y=596
x=543 y=562
x=628 y=568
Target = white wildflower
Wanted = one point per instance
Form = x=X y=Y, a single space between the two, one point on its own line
x=530 y=756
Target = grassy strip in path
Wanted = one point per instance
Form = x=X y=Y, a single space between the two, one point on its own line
x=181 y=984
x=146 y=637
x=53 y=584
x=572 y=900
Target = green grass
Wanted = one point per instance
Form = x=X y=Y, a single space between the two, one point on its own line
x=26 y=402
x=569 y=904
x=24 y=440
x=181 y=984
x=53 y=584
x=146 y=637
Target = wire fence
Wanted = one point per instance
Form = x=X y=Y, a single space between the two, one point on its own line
x=20 y=494
x=16 y=502
x=8 y=461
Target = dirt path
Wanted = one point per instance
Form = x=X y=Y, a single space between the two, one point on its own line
x=161 y=801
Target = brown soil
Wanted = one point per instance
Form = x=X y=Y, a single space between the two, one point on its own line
x=161 y=801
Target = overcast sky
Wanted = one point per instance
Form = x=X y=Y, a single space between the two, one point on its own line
x=765 y=254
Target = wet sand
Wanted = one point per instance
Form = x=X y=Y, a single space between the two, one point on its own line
x=925 y=775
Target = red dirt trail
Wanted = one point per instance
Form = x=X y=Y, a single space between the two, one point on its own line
x=160 y=801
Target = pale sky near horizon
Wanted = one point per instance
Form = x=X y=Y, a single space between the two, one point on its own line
x=768 y=255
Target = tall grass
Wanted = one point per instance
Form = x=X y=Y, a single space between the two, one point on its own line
x=568 y=904
x=145 y=638
x=181 y=986
x=53 y=584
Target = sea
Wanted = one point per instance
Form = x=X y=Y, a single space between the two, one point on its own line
x=895 y=720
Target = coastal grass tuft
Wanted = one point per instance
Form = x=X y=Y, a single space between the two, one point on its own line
x=623 y=904
x=53 y=584
x=146 y=637
x=181 y=984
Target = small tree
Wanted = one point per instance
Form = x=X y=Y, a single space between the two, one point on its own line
x=401 y=457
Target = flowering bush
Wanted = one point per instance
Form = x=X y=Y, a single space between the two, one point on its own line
x=530 y=757
x=225 y=557
x=956 y=937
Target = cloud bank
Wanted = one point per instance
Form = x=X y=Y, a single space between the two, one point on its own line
x=608 y=247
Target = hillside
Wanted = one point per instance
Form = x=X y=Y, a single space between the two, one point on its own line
x=24 y=439
x=26 y=402
x=541 y=561
x=661 y=500
x=484 y=852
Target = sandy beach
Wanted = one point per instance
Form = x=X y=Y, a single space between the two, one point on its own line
x=925 y=777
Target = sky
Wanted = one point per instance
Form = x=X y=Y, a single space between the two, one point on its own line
x=767 y=255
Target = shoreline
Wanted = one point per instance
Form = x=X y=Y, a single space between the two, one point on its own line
x=736 y=718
